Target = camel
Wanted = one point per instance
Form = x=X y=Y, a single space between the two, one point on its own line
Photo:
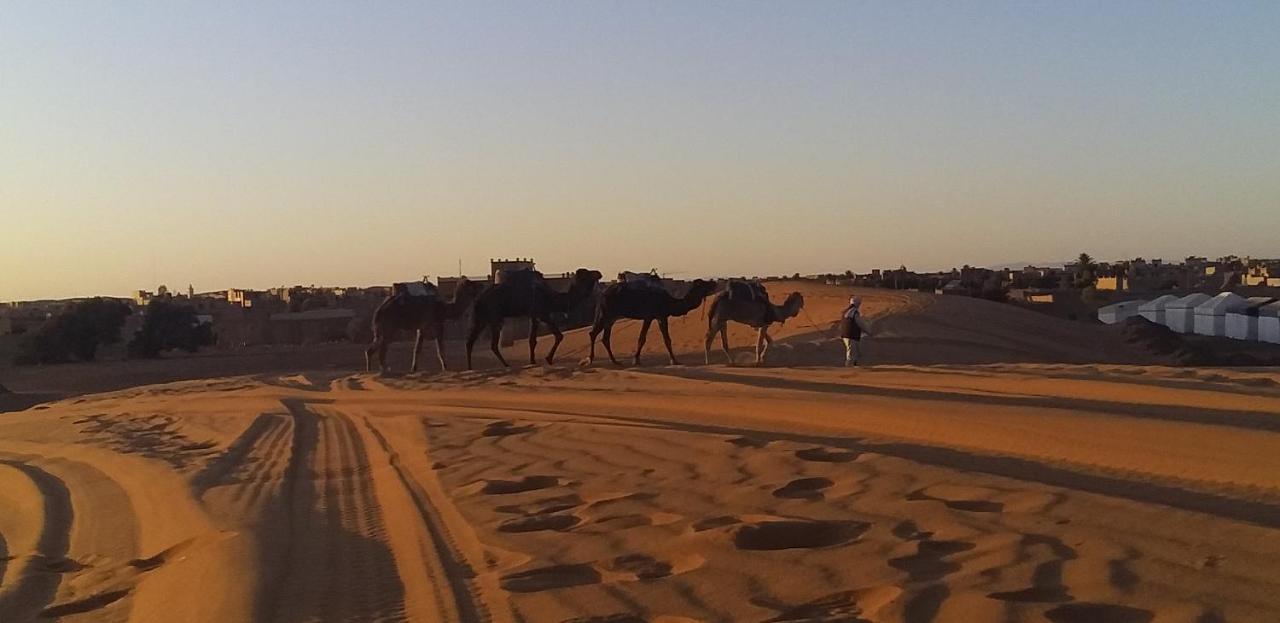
x=524 y=293
x=647 y=303
x=400 y=312
x=754 y=311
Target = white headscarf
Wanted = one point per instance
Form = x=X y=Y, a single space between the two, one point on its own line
x=855 y=304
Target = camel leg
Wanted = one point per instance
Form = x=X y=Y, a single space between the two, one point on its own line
x=417 y=348
x=644 y=333
x=724 y=342
x=760 y=346
x=595 y=330
x=370 y=352
x=440 y=349
x=666 y=339
x=472 y=336
x=533 y=339
x=551 y=356
x=495 y=334
x=607 y=340
x=711 y=336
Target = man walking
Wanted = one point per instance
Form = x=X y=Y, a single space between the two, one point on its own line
x=852 y=328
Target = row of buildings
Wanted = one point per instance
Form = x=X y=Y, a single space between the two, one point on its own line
x=1193 y=273
x=285 y=315
x=1136 y=275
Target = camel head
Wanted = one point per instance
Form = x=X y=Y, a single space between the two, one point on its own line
x=792 y=306
x=466 y=289
x=586 y=278
x=701 y=288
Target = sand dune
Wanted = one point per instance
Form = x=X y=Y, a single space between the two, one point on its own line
x=1012 y=491
x=912 y=328
x=904 y=494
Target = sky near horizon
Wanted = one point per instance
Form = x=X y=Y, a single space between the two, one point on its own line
x=264 y=144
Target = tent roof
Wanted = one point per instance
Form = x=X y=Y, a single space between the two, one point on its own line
x=1159 y=302
x=1253 y=307
x=1224 y=302
x=1189 y=301
x=1270 y=310
x=1119 y=306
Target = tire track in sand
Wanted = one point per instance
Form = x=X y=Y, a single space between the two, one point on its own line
x=335 y=564
x=34 y=586
x=448 y=550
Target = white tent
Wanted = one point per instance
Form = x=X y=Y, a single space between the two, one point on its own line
x=1180 y=315
x=1211 y=315
x=1119 y=312
x=1269 y=323
x=1153 y=310
x=1243 y=324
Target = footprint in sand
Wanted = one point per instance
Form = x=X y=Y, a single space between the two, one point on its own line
x=955 y=502
x=845 y=606
x=528 y=483
x=88 y=604
x=803 y=489
x=537 y=523
x=544 y=506
x=608 y=618
x=614 y=498
x=61 y=565
x=826 y=455
x=909 y=531
x=1098 y=613
x=797 y=534
x=928 y=563
x=641 y=566
x=548 y=578
x=504 y=428
x=711 y=523
x=748 y=442
x=636 y=520
x=1046 y=580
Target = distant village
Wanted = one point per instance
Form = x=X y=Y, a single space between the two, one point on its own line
x=1138 y=275
x=312 y=314
x=285 y=315
x=1075 y=290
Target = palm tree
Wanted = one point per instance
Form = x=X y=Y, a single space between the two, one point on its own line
x=1086 y=272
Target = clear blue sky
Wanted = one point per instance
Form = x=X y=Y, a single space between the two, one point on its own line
x=260 y=144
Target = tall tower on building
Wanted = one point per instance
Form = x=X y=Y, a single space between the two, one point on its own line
x=191 y=291
x=519 y=263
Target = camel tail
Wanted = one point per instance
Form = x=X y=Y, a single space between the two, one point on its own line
x=712 y=308
x=379 y=313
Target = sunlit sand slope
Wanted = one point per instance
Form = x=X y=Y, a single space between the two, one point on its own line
x=910 y=327
x=1014 y=492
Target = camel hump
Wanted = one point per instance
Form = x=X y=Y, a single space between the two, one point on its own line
x=741 y=289
x=527 y=277
x=640 y=280
x=415 y=290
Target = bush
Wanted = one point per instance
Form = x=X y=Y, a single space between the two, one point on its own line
x=997 y=294
x=168 y=326
x=77 y=333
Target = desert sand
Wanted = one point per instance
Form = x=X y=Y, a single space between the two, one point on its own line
x=1015 y=468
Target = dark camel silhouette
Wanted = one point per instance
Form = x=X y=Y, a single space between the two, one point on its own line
x=647 y=303
x=524 y=293
x=400 y=312
x=756 y=312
